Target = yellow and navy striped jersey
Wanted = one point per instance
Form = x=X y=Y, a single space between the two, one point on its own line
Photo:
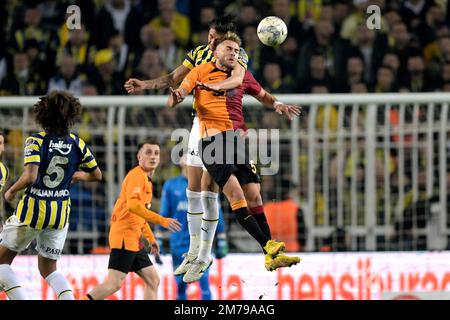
x=203 y=54
x=46 y=203
x=3 y=176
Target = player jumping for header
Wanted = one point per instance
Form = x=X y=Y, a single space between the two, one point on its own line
x=218 y=125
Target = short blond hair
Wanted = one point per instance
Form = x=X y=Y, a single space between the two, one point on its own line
x=228 y=36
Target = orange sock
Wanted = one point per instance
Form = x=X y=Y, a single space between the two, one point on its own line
x=238 y=204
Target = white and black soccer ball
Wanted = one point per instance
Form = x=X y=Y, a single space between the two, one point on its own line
x=272 y=31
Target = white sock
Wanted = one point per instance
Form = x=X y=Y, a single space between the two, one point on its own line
x=60 y=285
x=194 y=218
x=210 y=220
x=10 y=283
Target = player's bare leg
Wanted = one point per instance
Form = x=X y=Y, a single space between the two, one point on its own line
x=151 y=282
x=208 y=183
x=112 y=284
x=6 y=255
x=194 y=218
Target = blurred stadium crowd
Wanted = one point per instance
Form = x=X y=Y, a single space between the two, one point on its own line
x=329 y=49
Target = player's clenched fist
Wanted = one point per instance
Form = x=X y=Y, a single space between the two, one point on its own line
x=176 y=96
x=135 y=85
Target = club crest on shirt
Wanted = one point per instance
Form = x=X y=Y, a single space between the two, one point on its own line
x=28 y=151
x=29 y=142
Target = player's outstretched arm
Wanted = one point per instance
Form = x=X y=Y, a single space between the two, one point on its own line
x=234 y=81
x=172 y=224
x=177 y=95
x=136 y=207
x=28 y=177
x=134 y=85
x=96 y=175
x=269 y=100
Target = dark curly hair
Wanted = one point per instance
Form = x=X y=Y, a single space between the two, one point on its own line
x=223 y=24
x=57 y=112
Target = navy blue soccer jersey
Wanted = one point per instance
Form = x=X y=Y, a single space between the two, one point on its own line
x=46 y=203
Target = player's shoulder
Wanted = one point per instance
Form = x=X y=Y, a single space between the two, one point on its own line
x=204 y=68
x=3 y=168
x=6 y=170
x=136 y=175
x=200 y=48
x=3 y=175
x=248 y=75
x=36 y=137
x=76 y=140
x=74 y=137
x=136 y=171
x=250 y=78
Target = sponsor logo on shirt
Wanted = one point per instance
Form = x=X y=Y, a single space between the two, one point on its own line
x=63 y=148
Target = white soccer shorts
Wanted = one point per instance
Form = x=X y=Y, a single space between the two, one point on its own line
x=17 y=236
x=193 y=157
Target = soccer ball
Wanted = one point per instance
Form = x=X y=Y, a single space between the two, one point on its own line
x=272 y=31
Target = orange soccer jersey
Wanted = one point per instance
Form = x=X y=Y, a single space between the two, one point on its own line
x=131 y=212
x=211 y=106
x=221 y=111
